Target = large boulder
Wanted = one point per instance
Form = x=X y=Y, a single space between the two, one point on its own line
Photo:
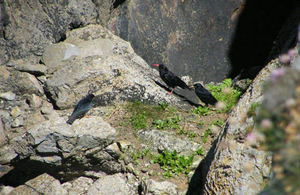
x=192 y=37
x=93 y=59
x=233 y=166
x=29 y=26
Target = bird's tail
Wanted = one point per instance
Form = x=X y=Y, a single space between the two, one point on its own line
x=71 y=120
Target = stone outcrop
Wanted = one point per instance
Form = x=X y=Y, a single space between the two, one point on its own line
x=232 y=166
x=93 y=59
x=192 y=37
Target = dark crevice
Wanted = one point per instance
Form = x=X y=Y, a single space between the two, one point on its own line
x=51 y=100
x=117 y=3
x=63 y=37
x=262 y=33
x=75 y=24
x=198 y=180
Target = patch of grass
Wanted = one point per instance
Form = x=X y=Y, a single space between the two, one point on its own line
x=217 y=122
x=202 y=111
x=205 y=135
x=172 y=163
x=187 y=133
x=171 y=122
x=224 y=92
x=163 y=105
x=138 y=121
x=140 y=155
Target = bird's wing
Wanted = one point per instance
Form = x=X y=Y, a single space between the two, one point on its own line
x=181 y=83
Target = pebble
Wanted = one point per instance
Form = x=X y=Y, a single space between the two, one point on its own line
x=8 y=96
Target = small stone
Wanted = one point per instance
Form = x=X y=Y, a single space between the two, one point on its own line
x=144 y=170
x=164 y=187
x=124 y=145
x=9 y=96
x=15 y=112
x=35 y=101
x=6 y=190
x=18 y=122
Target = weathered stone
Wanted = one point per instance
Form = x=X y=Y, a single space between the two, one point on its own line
x=6 y=190
x=104 y=186
x=192 y=37
x=47 y=146
x=44 y=184
x=2 y=134
x=79 y=186
x=15 y=112
x=35 y=69
x=35 y=101
x=28 y=35
x=163 y=140
x=165 y=187
x=52 y=160
x=17 y=122
x=8 y=96
x=223 y=170
x=7 y=154
x=104 y=64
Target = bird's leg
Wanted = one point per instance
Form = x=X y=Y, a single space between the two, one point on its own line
x=170 y=93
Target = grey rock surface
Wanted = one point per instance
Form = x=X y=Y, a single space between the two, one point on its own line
x=113 y=184
x=43 y=184
x=232 y=166
x=165 y=187
x=192 y=37
x=92 y=58
x=32 y=25
x=161 y=140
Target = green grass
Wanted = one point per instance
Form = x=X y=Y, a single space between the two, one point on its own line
x=171 y=122
x=139 y=121
x=140 y=155
x=187 y=133
x=225 y=93
x=172 y=163
x=205 y=135
x=202 y=111
x=217 y=122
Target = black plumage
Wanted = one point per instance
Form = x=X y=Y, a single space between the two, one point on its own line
x=82 y=107
x=170 y=78
x=204 y=95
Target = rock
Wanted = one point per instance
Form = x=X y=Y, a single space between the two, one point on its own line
x=27 y=34
x=223 y=169
x=35 y=101
x=15 y=111
x=165 y=187
x=79 y=186
x=8 y=96
x=4 y=190
x=35 y=69
x=112 y=184
x=163 y=140
x=3 y=139
x=7 y=154
x=102 y=63
x=192 y=37
x=43 y=184
x=18 y=122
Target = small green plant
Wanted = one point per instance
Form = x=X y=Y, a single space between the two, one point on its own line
x=252 y=109
x=138 y=121
x=205 y=135
x=139 y=155
x=163 y=105
x=217 y=122
x=172 y=163
x=188 y=133
x=172 y=123
x=202 y=111
x=199 y=152
x=225 y=93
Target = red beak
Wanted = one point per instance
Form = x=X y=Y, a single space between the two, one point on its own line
x=157 y=65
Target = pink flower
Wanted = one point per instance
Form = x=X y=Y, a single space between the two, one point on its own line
x=277 y=73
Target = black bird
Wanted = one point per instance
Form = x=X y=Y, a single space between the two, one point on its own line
x=170 y=78
x=204 y=95
x=82 y=107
